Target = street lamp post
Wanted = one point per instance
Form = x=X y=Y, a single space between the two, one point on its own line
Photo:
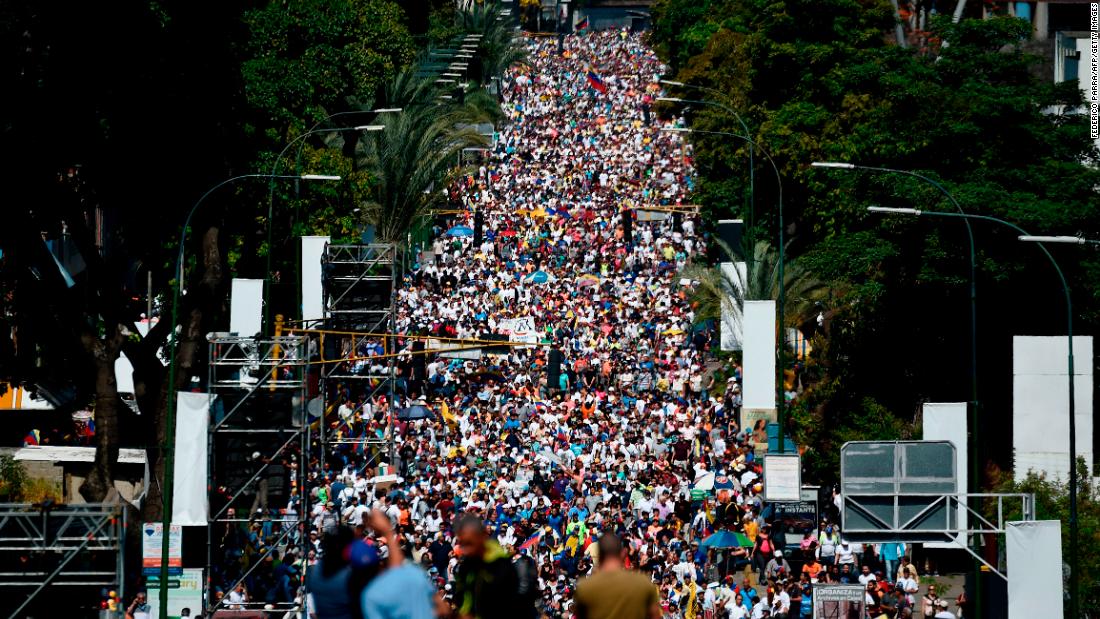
x=974 y=417
x=1074 y=601
x=271 y=201
x=744 y=127
x=781 y=301
x=317 y=125
x=168 y=448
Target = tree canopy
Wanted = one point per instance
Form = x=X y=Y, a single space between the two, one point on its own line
x=821 y=82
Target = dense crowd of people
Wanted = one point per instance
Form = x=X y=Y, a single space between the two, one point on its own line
x=609 y=440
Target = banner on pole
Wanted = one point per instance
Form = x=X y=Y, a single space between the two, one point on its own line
x=189 y=499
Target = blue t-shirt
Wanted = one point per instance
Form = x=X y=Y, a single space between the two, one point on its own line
x=331 y=599
x=400 y=593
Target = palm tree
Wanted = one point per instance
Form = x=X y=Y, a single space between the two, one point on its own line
x=416 y=154
x=716 y=289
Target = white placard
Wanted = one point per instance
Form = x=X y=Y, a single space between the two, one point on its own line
x=838 y=601
x=759 y=355
x=151 y=541
x=1040 y=404
x=1034 y=557
x=246 y=306
x=523 y=324
x=185 y=591
x=946 y=421
x=189 y=499
x=530 y=338
x=782 y=477
x=313 y=300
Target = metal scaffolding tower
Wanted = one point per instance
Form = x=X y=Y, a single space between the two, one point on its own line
x=78 y=547
x=359 y=283
x=257 y=450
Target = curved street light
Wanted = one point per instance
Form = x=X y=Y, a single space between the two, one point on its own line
x=271 y=194
x=1024 y=236
x=731 y=111
x=168 y=448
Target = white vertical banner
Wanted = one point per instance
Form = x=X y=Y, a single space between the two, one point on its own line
x=1040 y=404
x=246 y=307
x=759 y=356
x=1034 y=557
x=947 y=421
x=733 y=317
x=313 y=301
x=189 y=499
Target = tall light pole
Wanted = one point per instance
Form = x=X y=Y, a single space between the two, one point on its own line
x=271 y=203
x=168 y=448
x=973 y=413
x=317 y=125
x=781 y=301
x=1074 y=601
x=731 y=111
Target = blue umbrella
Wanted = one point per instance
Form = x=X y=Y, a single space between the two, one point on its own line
x=723 y=482
x=460 y=231
x=539 y=277
x=416 y=411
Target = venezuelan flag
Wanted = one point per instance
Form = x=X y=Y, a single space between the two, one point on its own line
x=582 y=25
x=532 y=541
x=596 y=82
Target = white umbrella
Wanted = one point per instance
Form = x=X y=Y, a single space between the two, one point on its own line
x=704 y=481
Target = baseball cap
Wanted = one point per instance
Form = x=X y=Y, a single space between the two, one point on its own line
x=361 y=554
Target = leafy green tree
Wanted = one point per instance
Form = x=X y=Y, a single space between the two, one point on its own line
x=822 y=82
x=321 y=55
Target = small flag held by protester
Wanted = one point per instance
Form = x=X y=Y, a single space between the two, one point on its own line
x=582 y=25
x=531 y=541
x=596 y=82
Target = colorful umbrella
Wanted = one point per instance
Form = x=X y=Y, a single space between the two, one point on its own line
x=539 y=277
x=506 y=233
x=588 y=280
x=723 y=482
x=672 y=332
x=704 y=482
x=460 y=231
x=727 y=539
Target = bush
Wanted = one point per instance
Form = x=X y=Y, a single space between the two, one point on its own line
x=13 y=478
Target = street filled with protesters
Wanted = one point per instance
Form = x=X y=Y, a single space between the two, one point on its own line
x=611 y=414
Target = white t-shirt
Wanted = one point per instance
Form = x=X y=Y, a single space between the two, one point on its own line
x=736 y=611
x=844 y=555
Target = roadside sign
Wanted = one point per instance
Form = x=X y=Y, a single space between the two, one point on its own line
x=783 y=477
x=184 y=591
